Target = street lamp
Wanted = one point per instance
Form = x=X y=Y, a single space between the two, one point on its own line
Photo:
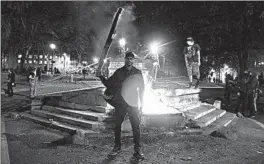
x=64 y=55
x=122 y=43
x=95 y=59
x=154 y=47
x=52 y=46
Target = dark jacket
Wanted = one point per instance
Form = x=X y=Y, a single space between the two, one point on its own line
x=11 y=77
x=191 y=54
x=122 y=85
x=252 y=85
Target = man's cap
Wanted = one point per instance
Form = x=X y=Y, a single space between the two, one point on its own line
x=130 y=54
x=189 y=38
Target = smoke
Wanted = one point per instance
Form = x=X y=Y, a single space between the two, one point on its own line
x=95 y=18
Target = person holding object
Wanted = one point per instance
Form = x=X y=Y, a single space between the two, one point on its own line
x=11 y=82
x=122 y=93
x=192 y=60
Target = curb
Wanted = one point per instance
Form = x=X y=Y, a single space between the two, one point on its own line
x=4 y=146
x=257 y=122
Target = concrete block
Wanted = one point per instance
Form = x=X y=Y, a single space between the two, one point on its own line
x=90 y=97
x=164 y=120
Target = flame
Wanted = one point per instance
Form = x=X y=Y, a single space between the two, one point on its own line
x=153 y=104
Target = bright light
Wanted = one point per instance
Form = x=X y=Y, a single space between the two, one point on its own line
x=52 y=46
x=64 y=54
x=95 y=59
x=154 y=47
x=122 y=42
x=153 y=104
x=225 y=66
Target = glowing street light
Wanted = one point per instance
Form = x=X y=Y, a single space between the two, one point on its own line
x=122 y=42
x=95 y=59
x=64 y=55
x=154 y=47
x=52 y=46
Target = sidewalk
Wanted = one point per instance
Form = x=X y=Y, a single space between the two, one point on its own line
x=4 y=146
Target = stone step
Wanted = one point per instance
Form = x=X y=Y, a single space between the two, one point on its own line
x=200 y=111
x=188 y=106
x=180 y=100
x=176 y=92
x=93 y=116
x=209 y=118
x=223 y=121
x=99 y=109
x=55 y=124
x=93 y=125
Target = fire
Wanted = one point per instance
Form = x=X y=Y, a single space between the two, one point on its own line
x=153 y=104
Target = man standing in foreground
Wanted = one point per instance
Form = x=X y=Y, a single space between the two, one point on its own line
x=125 y=89
x=192 y=60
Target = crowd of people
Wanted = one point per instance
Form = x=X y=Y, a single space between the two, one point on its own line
x=247 y=87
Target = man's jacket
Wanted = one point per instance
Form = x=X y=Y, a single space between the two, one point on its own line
x=11 y=77
x=122 y=87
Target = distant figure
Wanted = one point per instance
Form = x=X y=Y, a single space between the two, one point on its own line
x=155 y=64
x=84 y=71
x=261 y=79
x=252 y=91
x=11 y=82
x=242 y=93
x=38 y=73
x=33 y=82
x=45 y=68
x=228 y=88
x=105 y=68
x=192 y=60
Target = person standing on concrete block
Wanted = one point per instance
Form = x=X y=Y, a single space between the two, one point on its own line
x=192 y=60
x=33 y=82
x=122 y=93
x=11 y=82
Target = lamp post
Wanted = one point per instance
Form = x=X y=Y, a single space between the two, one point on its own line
x=95 y=59
x=154 y=48
x=122 y=43
x=64 y=55
x=52 y=46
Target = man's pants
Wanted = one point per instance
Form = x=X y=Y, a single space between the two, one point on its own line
x=33 y=86
x=133 y=113
x=241 y=100
x=251 y=103
x=10 y=89
x=193 y=69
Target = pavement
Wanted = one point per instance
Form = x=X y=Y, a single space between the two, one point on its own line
x=4 y=146
x=29 y=143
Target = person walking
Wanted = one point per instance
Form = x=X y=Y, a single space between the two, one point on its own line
x=192 y=60
x=11 y=82
x=123 y=89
